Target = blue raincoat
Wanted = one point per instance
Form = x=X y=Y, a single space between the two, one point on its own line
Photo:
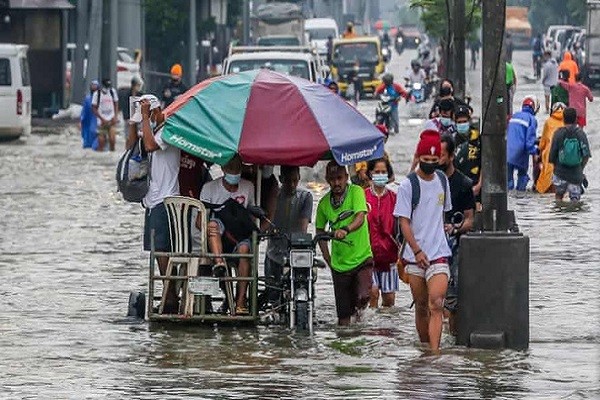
x=89 y=124
x=520 y=138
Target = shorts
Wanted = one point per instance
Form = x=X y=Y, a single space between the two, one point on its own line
x=548 y=90
x=581 y=121
x=387 y=281
x=352 y=288
x=156 y=218
x=222 y=231
x=106 y=130
x=561 y=187
x=439 y=266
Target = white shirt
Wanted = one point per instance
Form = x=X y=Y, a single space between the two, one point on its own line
x=106 y=107
x=428 y=218
x=164 y=172
x=215 y=193
x=415 y=77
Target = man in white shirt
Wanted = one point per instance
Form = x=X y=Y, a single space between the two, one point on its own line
x=426 y=252
x=105 y=103
x=164 y=182
x=415 y=74
x=229 y=186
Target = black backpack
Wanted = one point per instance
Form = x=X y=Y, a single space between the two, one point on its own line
x=133 y=173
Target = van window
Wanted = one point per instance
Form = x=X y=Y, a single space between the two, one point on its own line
x=24 y=71
x=5 y=78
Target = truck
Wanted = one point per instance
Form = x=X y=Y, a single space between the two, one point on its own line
x=274 y=23
x=517 y=24
x=591 y=73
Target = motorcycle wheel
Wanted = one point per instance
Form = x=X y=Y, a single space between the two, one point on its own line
x=302 y=316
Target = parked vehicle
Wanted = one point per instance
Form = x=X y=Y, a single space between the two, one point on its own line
x=291 y=60
x=364 y=53
x=591 y=68
x=517 y=24
x=319 y=30
x=128 y=66
x=15 y=92
x=281 y=18
x=278 y=40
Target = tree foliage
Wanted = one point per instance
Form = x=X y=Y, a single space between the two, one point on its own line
x=434 y=16
x=555 y=12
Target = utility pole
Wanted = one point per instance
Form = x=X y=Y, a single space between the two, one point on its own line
x=458 y=56
x=493 y=289
x=109 y=36
x=78 y=84
x=245 y=22
x=192 y=45
x=95 y=42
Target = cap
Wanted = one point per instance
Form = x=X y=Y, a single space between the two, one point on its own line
x=154 y=102
x=95 y=82
x=430 y=144
x=177 y=70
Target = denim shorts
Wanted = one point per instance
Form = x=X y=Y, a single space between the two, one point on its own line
x=156 y=218
x=561 y=187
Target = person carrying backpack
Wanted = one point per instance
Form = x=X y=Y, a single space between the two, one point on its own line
x=570 y=152
x=105 y=103
x=423 y=198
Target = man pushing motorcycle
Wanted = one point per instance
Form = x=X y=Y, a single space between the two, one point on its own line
x=395 y=92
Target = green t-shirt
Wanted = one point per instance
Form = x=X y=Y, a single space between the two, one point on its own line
x=346 y=256
x=510 y=74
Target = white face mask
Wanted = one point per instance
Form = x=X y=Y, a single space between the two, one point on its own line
x=380 y=179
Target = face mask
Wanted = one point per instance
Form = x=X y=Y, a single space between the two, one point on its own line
x=445 y=121
x=427 y=167
x=380 y=179
x=445 y=91
x=232 y=179
x=463 y=128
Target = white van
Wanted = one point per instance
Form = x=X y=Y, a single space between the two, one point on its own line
x=15 y=92
x=318 y=30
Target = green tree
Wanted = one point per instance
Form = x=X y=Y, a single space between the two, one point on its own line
x=555 y=12
x=435 y=16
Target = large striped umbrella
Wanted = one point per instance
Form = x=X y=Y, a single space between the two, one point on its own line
x=269 y=119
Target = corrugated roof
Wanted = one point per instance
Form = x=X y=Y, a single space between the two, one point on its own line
x=41 y=4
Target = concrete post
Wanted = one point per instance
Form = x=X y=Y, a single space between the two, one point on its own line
x=193 y=39
x=246 y=22
x=78 y=84
x=95 y=41
x=493 y=288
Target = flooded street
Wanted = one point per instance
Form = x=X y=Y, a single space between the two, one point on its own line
x=70 y=252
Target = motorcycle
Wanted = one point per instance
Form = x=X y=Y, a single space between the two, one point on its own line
x=297 y=283
x=416 y=101
x=383 y=112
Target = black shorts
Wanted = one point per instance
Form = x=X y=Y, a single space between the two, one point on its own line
x=352 y=288
x=156 y=218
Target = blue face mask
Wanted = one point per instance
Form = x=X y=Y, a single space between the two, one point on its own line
x=232 y=179
x=380 y=179
x=445 y=121
x=463 y=128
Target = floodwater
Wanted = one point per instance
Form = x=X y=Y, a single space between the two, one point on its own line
x=70 y=252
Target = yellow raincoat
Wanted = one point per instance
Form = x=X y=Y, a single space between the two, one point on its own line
x=555 y=121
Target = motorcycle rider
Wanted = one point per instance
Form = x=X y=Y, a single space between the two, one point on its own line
x=415 y=74
x=395 y=91
x=428 y=61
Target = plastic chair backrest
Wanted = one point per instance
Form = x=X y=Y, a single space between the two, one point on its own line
x=179 y=212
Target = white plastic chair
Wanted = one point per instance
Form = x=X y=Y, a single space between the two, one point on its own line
x=179 y=212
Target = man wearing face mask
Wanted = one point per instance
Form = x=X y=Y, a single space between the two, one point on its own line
x=446 y=91
x=229 y=186
x=468 y=157
x=105 y=103
x=426 y=251
x=164 y=170
x=462 y=118
x=293 y=212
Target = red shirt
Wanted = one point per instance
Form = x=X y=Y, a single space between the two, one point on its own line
x=399 y=89
x=191 y=175
x=381 y=228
